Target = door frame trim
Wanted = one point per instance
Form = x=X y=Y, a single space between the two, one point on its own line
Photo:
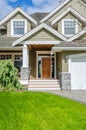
x=45 y=52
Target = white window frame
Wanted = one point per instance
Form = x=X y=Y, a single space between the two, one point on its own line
x=12 y=29
x=63 y=31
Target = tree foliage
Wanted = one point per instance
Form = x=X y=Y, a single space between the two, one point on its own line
x=8 y=75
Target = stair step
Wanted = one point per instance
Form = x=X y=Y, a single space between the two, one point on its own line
x=49 y=82
x=44 y=80
x=43 y=89
x=43 y=83
x=43 y=86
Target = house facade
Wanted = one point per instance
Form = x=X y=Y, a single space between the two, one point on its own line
x=48 y=45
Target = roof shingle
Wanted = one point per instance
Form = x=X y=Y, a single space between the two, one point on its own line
x=39 y=16
x=78 y=43
x=6 y=42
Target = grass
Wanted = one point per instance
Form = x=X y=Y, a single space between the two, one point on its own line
x=40 y=111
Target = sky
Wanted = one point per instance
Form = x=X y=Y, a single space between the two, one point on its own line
x=30 y=6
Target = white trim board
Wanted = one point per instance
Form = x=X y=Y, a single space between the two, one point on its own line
x=56 y=49
x=41 y=26
x=63 y=31
x=55 y=10
x=42 y=42
x=18 y=9
x=73 y=11
x=12 y=29
x=80 y=33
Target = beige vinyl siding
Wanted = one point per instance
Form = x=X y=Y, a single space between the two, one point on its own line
x=43 y=35
x=17 y=16
x=65 y=61
x=75 y=4
x=69 y=16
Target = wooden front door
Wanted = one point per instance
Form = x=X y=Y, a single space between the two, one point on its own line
x=46 y=67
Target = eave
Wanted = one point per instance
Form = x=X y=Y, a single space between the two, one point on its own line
x=18 y=9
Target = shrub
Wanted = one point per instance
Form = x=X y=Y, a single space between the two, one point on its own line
x=8 y=75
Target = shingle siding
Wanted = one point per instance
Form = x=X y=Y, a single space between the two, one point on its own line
x=43 y=35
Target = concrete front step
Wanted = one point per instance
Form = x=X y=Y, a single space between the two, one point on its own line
x=44 y=83
x=43 y=89
x=43 y=86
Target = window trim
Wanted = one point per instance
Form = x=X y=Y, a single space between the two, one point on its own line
x=12 y=29
x=76 y=29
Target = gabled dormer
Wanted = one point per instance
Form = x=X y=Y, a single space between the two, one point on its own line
x=17 y=23
x=69 y=22
x=69 y=18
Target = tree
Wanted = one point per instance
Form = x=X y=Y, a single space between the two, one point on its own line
x=8 y=75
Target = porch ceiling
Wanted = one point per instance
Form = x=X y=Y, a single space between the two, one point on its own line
x=40 y=46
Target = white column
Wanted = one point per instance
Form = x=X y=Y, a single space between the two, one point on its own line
x=25 y=56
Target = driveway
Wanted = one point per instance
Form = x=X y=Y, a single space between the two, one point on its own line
x=79 y=96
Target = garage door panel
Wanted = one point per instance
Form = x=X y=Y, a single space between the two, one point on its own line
x=78 y=82
x=78 y=73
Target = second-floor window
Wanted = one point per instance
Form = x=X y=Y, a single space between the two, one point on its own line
x=18 y=27
x=69 y=27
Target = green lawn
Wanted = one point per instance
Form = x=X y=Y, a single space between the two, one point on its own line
x=40 y=111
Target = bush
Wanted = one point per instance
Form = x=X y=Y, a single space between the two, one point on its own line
x=8 y=76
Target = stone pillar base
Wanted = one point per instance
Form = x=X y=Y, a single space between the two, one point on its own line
x=65 y=81
x=25 y=73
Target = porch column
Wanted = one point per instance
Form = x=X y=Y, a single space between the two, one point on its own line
x=25 y=56
x=25 y=70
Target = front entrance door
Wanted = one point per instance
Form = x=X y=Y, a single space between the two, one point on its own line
x=46 y=67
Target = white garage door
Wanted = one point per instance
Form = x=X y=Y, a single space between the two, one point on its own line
x=78 y=72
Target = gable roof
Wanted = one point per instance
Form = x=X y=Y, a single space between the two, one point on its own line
x=73 y=11
x=55 y=10
x=80 y=33
x=36 y=29
x=18 y=9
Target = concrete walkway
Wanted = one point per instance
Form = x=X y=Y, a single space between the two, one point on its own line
x=79 y=96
